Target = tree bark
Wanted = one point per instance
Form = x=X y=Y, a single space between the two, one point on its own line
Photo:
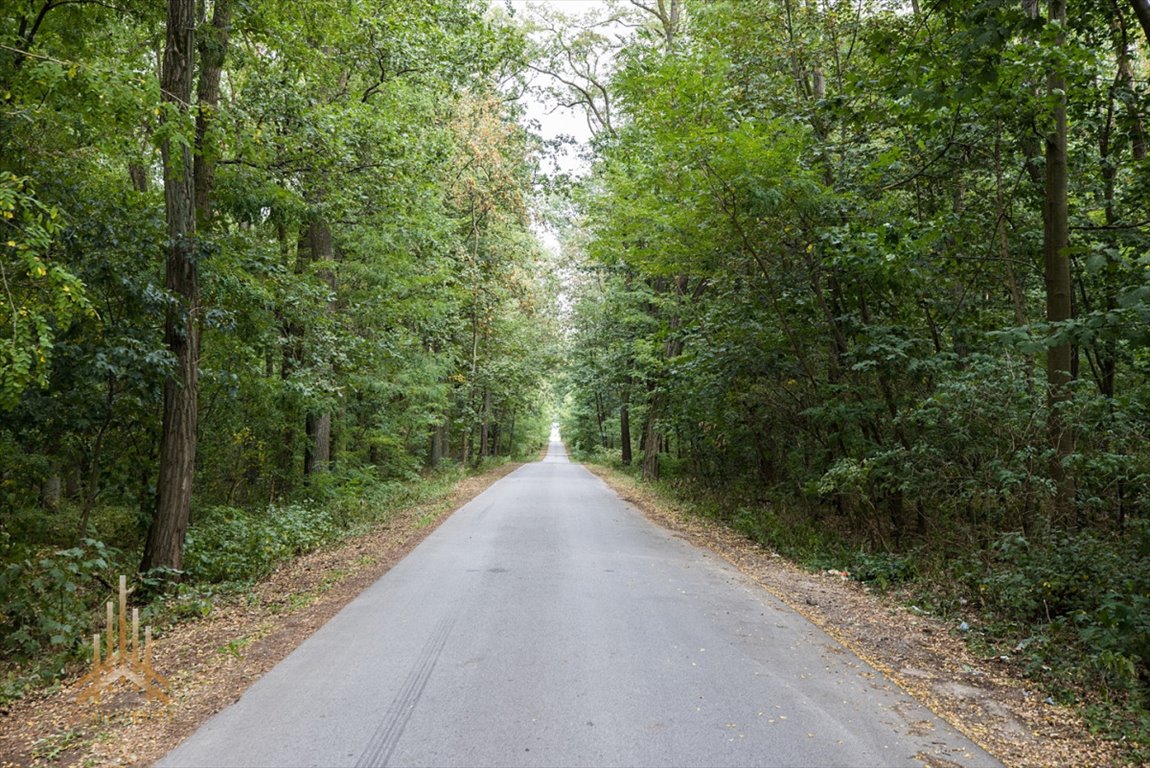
x=625 y=432
x=485 y=426
x=435 y=450
x=317 y=453
x=165 y=544
x=213 y=50
x=50 y=491
x=291 y=354
x=1056 y=262
x=1142 y=11
x=652 y=440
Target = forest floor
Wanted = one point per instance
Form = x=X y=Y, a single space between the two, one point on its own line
x=210 y=662
x=988 y=701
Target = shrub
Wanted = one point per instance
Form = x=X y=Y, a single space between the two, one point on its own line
x=47 y=597
x=226 y=544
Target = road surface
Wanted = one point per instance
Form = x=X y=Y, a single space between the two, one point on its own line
x=549 y=623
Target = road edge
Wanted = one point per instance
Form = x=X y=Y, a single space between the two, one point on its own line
x=211 y=662
x=991 y=707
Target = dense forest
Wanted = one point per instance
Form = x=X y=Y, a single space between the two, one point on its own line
x=865 y=279
x=869 y=281
x=264 y=266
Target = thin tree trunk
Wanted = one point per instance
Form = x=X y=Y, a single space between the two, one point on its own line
x=317 y=453
x=484 y=426
x=625 y=431
x=290 y=332
x=1142 y=11
x=213 y=50
x=1056 y=261
x=652 y=440
x=165 y=542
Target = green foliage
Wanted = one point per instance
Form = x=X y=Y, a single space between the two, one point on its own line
x=226 y=544
x=792 y=535
x=1084 y=588
x=41 y=298
x=885 y=569
x=809 y=263
x=368 y=273
x=1071 y=609
x=48 y=596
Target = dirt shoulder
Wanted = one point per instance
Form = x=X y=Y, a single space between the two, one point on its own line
x=989 y=702
x=210 y=662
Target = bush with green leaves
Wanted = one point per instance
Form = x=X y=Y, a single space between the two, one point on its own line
x=1074 y=595
x=226 y=544
x=48 y=597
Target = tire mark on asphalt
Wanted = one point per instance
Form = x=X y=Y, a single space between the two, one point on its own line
x=383 y=741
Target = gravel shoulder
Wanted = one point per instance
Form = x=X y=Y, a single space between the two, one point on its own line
x=210 y=662
x=989 y=702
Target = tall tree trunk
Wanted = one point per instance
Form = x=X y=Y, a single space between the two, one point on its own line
x=317 y=453
x=599 y=417
x=1056 y=260
x=485 y=426
x=625 y=431
x=435 y=449
x=213 y=50
x=290 y=333
x=165 y=542
x=138 y=173
x=652 y=439
x=1142 y=11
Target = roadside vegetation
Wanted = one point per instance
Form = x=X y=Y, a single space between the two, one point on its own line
x=868 y=282
x=267 y=275
x=53 y=595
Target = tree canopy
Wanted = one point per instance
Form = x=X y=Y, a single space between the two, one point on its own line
x=872 y=277
x=254 y=255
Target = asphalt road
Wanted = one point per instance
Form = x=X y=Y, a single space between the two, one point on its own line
x=547 y=622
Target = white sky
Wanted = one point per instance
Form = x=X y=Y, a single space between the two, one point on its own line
x=554 y=121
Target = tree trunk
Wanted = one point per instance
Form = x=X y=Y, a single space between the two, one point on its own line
x=625 y=432
x=435 y=450
x=317 y=453
x=1056 y=261
x=291 y=354
x=1142 y=11
x=138 y=173
x=50 y=491
x=652 y=442
x=165 y=544
x=485 y=426
x=213 y=50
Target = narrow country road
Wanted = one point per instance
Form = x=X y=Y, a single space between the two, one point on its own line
x=549 y=623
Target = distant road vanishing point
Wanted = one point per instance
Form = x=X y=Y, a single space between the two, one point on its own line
x=548 y=623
